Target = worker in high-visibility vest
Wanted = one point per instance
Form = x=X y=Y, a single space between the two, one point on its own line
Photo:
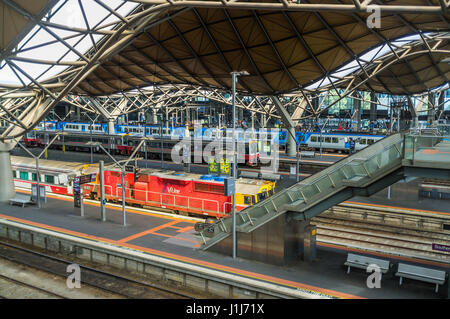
x=224 y=167
x=212 y=166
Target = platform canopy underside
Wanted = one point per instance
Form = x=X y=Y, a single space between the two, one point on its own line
x=283 y=51
x=15 y=24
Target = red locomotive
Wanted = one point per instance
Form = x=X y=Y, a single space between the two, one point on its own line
x=184 y=193
x=171 y=191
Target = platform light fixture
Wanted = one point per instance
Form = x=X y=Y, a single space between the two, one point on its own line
x=234 y=76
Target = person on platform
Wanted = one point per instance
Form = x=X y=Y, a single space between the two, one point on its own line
x=352 y=146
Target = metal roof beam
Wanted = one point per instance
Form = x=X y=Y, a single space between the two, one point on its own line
x=194 y=54
x=247 y=53
x=292 y=6
x=275 y=50
x=167 y=52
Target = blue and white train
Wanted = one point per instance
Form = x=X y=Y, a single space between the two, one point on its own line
x=337 y=141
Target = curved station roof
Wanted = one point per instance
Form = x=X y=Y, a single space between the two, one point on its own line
x=51 y=49
x=282 y=50
x=285 y=46
x=17 y=18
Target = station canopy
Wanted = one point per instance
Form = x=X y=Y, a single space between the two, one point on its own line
x=285 y=47
x=16 y=20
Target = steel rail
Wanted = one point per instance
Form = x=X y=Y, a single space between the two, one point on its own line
x=86 y=268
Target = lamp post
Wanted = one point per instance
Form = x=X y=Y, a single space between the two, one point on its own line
x=122 y=173
x=234 y=76
x=90 y=132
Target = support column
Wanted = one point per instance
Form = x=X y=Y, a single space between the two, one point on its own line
x=111 y=129
x=357 y=116
x=282 y=241
x=7 y=190
x=77 y=112
x=373 y=107
x=290 y=127
x=431 y=111
x=412 y=111
x=102 y=192
x=188 y=116
x=182 y=117
x=290 y=142
x=441 y=103
x=253 y=120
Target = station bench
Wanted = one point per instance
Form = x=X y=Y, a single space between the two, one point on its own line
x=362 y=262
x=21 y=200
x=248 y=174
x=308 y=153
x=434 y=276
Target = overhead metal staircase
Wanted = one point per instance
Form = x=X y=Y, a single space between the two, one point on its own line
x=318 y=192
x=364 y=173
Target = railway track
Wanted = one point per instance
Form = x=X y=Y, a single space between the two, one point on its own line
x=391 y=230
x=12 y=287
x=113 y=283
x=402 y=233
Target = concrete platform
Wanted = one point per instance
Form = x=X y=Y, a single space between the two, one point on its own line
x=173 y=237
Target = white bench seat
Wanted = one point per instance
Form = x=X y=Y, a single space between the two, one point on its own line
x=308 y=153
x=433 y=276
x=362 y=262
x=21 y=200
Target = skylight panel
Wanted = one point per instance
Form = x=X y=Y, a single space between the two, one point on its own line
x=59 y=38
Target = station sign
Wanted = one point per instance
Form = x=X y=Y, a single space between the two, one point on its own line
x=83 y=179
x=229 y=186
x=441 y=247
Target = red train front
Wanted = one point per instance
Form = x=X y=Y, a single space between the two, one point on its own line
x=179 y=192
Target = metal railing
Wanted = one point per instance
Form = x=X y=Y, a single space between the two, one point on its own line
x=360 y=168
x=162 y=199
x=416 y=146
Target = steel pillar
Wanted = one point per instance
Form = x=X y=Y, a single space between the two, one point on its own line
x=290 y=126
x=102 y=191
x=373 y=107
x=111 y=129
x=78 y=114
x=412 y=110
x=290 y=142
x=441 y=104
x=431 y=111
x=7 y=190
x=357 y=116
